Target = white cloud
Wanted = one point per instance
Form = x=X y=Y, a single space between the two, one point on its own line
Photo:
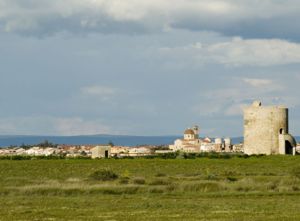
x=265 y=85
x=102 y=92
x=244 y=18
x=235 y=109
x=240 y=52
x=256 y=82
x=223 y=102
x=259 y=52
x=52 y=126
x=78 y=126
x=239 y=92
x=98 y=90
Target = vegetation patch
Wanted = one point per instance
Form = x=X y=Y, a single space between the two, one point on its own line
x=161 y=175
x=203 y=187
x=212 y=176
x=160 y=182
x=157 y=190
x=296 y=172
x=124 y=180
x=256 y=188
x=118 y=190
x=103 y=175
x=139 y=180
x=232 y=179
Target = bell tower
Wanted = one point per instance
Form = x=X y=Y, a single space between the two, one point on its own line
x=196 y=131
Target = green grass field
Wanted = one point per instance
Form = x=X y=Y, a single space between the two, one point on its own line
x=256 y=188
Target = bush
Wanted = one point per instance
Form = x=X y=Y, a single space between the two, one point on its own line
x=172 y=155
x=124 y=180
x=160 y=175
x=189 y=155
x=158 y=182
x=31 y=157
x=139 y=180
x=103 y=175
x=120 y=191
x=232 y=179
x=203 y=187
x=211 y=176
x=296 y=172
x=157 y=190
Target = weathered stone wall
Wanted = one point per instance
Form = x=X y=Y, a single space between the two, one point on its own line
x=262 y=126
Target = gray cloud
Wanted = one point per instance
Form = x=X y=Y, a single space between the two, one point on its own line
x=230 y=100
x=53 y=125
x=240 y=52
x=122 y=84
x=247 y=18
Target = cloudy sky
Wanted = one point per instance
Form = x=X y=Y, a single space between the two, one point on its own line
x=145 y=67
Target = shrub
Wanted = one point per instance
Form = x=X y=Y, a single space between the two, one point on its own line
x=124 y=180
x=149 y=157
x=126 y=174
x=189 y=155
x=214 y=155
x=113 y=190
x=211 y=176
x=139 y=180
x=242 y=155
x=226 y=156
x=157 y=190
x=171 y=187
x=272 y=186
x=103 y=175
x=160 y=175
x=232 y=179
x=120 y=191
x=168 y=155
x=231 y=173
x=296 y=172
x=158 y=182
x=203 y=187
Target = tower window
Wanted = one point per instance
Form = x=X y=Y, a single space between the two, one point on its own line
x=281 y=131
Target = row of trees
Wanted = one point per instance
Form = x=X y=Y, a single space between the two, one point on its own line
x=45 y=143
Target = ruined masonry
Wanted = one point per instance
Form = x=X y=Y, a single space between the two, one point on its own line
x=266 y=130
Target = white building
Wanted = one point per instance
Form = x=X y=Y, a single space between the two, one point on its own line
x=139 y=151
x=101 y=152
x=35 y=151
x=117 y=150
x=190 y=141
x=207 y=147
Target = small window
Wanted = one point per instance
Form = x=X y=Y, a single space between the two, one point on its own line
x=281 y=131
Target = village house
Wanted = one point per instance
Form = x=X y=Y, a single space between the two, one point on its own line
x=117 y=150
x=101 y=151
x=139 y=151
x=207 y=147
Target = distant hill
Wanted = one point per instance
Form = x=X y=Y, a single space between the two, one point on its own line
x=93 y=139
x=12 y=140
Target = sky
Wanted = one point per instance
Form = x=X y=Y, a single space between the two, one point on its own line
x=145 y=67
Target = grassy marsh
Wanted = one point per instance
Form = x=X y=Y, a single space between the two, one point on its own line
x=255 y=188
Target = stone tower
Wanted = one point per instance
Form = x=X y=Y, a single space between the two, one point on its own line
x=196 y=131
x=266 y=130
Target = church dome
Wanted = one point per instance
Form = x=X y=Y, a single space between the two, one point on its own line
x=189 y=131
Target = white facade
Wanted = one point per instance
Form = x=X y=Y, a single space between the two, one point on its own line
x=207 y=147
x=189 y=143
x=101 y=152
